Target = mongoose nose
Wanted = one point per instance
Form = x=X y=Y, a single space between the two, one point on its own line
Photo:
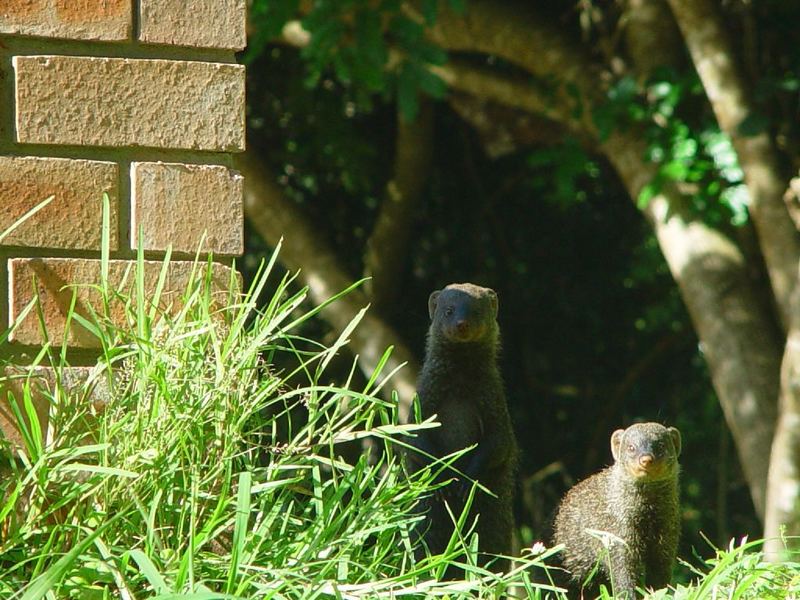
x=645 y=460
x=461 y=326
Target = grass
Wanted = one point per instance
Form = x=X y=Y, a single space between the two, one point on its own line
x=204 y=457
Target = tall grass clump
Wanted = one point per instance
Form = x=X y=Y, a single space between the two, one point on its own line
x=740 y=572
x=203 y=458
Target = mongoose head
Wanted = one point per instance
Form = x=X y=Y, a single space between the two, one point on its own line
x=647 y=451
x=463 y=312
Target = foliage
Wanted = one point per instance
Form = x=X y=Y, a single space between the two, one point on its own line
x=685 y=142
x=739 y=571
x=375 y=48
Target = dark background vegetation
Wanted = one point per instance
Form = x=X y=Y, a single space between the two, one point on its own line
x=595 y=334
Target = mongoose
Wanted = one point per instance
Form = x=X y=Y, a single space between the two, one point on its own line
x=460 y=382
x=636 y=501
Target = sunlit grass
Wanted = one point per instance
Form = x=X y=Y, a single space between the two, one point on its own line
x=190 y=463
x=203 y=457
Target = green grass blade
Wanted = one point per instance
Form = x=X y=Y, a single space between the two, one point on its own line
x=150 y=572
x=44 y=584
x=4 y=234
x=240 y=527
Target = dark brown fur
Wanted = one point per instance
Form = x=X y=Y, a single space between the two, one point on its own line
x=460 y=382
x=636 y=501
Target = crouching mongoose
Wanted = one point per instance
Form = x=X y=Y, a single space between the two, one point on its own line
x=635 y=501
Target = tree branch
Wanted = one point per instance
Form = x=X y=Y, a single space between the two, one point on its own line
x=387 y=247
x=652 y=36
x=740 y=343
x=503 y=129
x=274 y=217
x=726 y=88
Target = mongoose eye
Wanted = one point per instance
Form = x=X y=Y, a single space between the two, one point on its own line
x=448 y=312
x=631 y=448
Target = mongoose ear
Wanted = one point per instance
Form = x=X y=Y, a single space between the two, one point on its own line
x=494 y=301
x=616 y=443
x=676 y=439
x=432 y=302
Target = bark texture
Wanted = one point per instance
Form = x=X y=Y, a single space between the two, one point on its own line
x=728 y=92
x=738 y=336
x=387 y=247
x=783 y=491
x=275 y=217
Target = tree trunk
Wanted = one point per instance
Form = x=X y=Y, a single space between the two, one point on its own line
x=652 y=36
x=387 y=248
x=783 y=492
x=739 y=341
x=727 y=91
x=705 y=35
x=738 y=337
x=275 y=217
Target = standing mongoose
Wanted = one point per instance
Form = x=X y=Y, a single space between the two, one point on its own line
x=460 y=382
x=636 y=501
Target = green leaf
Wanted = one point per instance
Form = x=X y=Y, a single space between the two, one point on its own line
x=430 y=9
x=676 y=170
x=84 y=468
x=624 y=90
x=240 y=526
x=272 y=16
x=459 y=6
x=648 y=192
x=408 y=32
x=407 y=99
x=685 y=149
x=43 y=584
x=342 y=68
x=431 y=83
x=149 y=571
x=430 y=53
x=5 y=233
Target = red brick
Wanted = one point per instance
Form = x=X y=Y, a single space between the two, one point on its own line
x=175 y=203
x=57 y=279
x=68 y=19
x=73 y=219
x=117 y=102
x=200 y=23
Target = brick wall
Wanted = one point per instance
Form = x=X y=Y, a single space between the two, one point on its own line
x=139 y=99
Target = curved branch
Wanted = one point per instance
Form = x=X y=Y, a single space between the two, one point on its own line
x=713 y=56
x=387 y=247
x=739 y=340
x=503 y=129
x=522 y=38
x=518 y=36
x=513 y=91
x=652 y=36
x=274 y=217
